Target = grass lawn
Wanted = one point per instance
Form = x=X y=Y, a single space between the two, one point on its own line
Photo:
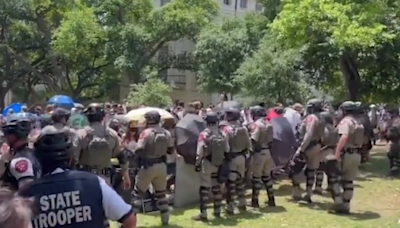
x=376 y=204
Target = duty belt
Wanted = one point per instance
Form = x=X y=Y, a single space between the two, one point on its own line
x=147 y=162
x=99 y=171
x=235 y=154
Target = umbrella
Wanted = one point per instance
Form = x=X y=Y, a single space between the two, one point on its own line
x=78 y=121
x=187 y=131
x=285 y=143
x=62 y=100
x=16 y=107
x=137 y=115
x=228 y=104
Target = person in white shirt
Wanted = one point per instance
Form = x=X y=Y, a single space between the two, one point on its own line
x=293 y=115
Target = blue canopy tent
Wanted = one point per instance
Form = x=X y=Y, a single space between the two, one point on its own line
x=16 y=107
x=62 y=101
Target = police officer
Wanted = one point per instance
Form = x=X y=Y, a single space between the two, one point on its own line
x=261 y=134
x=71 y=198
x=23 y=167
x=60 y=118
x=240 y=146
x=152 y=148
x=97 y=143
x=212 y=148
x=363 y=118
x=311 y=132
x=394 y=151
x=348 y=148
x=329 y=163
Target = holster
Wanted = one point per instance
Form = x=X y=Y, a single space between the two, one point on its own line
x=331 y=165
x=297 y=163
x=223 y=172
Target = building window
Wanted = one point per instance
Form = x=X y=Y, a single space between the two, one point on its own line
x=227 y=2
x=163 y=2
x=243 y=3
x=259 y=7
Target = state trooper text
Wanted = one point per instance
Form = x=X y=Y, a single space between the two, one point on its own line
x=62 y=209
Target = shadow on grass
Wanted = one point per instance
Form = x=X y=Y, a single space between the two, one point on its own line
x=233 y=220
x=327 y=206
x=377 y=167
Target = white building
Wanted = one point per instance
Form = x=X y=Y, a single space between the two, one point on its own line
x=184 y=82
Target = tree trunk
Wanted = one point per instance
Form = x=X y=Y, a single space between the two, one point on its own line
x=3 y=92
x=351 y=76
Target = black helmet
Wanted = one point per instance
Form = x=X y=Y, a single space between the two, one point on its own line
x=18 y=124
x=60 y=113
x=211 y=118
x=52 y=145
x=94 y=112
x=315 y=105
x=348 y=106
x=258 y=111
x=327 y=117
x=152 y=117
x=232 y=114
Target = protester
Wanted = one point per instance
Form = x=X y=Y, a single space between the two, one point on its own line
x=15 y=211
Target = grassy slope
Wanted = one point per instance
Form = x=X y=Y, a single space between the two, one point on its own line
x=376 y=204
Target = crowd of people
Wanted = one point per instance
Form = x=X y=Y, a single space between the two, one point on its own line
x=69 y=171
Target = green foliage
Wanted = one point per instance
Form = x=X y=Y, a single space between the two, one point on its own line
x=154 y=92
x=82 y=48
x=271 y=74
x=221 y=49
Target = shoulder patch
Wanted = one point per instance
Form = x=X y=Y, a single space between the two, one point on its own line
x=21 y=166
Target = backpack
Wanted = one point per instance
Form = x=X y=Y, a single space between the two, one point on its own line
x=159 y=145
x=99 y=142
x=216 y=145
x=238 y=139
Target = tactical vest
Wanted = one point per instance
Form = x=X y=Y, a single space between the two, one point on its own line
x=98 y=151
x=71 y=199
x=216 y=146
x=266 y=135
x=9 y=180
x=331 y=136
x=320 y=128
x=238 y=138
x=157 y=145
x=358 y=134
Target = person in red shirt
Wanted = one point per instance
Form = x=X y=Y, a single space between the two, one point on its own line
x=274 y=113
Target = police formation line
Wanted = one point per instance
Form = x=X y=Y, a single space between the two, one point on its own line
x=79 y=198
x=323 y=148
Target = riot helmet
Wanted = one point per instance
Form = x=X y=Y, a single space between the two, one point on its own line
x=232 y=114
x=327 y=117
x=348 y=107
x=94 y=112
x=17 y=127
x=257 y=112
x=60 y=115
x=152 y=117
x=211 y=118
x=52 y=148
x=315 y=105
